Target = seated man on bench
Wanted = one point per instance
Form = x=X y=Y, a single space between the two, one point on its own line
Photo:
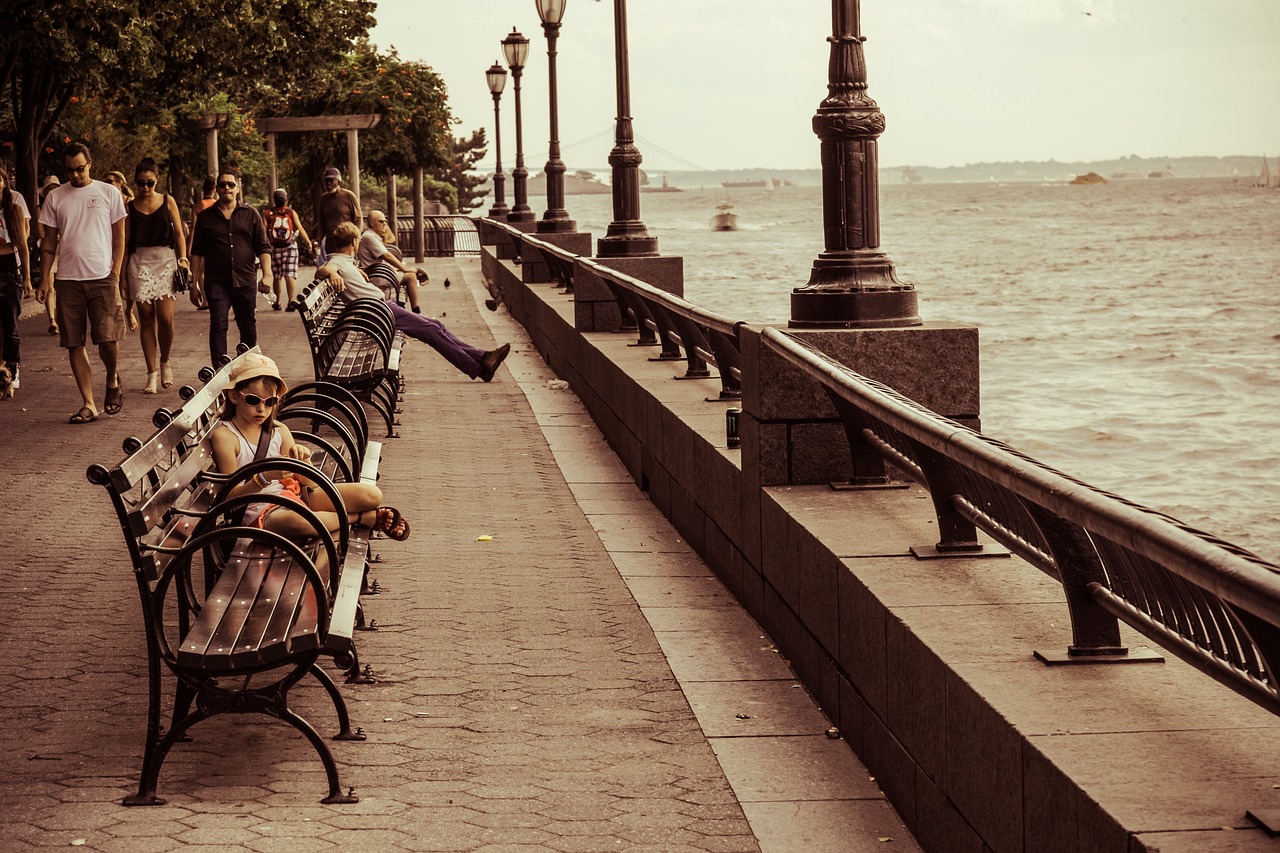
x=353 y=284
x=372 y=252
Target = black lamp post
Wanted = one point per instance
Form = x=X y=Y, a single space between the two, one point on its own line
x=852 y=284
x=496 y=77
x=556 y=219
x=626 y=236
x=515 y=48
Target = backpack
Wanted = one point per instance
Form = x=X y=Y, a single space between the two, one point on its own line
x=280 y=226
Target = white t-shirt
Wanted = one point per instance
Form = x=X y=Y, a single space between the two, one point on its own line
x=26 y=214
x=358 y=287
x=371 y=249
x=83 y=217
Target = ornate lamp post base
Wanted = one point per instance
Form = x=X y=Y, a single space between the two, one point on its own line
x=854 y=290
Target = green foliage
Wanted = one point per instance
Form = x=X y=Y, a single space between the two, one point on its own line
x=459 y=174
x=409 y=97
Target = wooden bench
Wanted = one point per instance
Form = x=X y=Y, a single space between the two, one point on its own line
x=236 y=613
x=354 y=345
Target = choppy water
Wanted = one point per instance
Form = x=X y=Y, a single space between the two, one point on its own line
x=1130 y=333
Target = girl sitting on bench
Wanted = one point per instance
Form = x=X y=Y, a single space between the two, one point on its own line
x=257 y=388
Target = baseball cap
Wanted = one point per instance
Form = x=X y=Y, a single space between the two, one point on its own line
x=279 y=196
x=332 y=172
x=255 y=366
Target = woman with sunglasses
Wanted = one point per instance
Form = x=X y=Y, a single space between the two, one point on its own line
x=248 y=416
x=154 y=249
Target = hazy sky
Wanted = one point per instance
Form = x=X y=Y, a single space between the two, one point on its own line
x=735 y=83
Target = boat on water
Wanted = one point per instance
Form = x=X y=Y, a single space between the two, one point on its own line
x=1166 y=172
x=744 y=185
x=665 y=188
x=1089 y=178
x=1264 y=177
x=725 y=219
x=911 y=176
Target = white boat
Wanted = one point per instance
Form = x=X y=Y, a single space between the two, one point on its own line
x=725 y=219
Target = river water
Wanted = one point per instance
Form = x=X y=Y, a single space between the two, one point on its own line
x=1130 y=332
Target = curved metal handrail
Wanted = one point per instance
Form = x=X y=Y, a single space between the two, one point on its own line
x=1212 y=603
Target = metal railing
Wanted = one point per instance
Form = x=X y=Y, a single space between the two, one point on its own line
x=1212 y=603
x=442 y=236
x=683 y=330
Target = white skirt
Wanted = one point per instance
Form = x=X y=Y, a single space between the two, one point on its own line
x=150 y=273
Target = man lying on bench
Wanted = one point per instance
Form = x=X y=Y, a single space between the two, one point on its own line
x=341 y=269
x=249 y=432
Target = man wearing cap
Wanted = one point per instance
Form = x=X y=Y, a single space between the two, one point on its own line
x=335 y=206
x=283 y=230
x=228 y=239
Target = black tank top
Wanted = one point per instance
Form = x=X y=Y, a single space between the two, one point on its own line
x=150 y=229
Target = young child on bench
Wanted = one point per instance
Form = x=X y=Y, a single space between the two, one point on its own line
x=257 y=388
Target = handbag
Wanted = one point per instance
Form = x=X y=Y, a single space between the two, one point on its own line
x=181 y=279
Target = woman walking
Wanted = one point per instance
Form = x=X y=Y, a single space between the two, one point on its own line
x=15 y=277
x=154 y=249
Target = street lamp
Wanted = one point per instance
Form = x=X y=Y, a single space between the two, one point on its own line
x=496 y=77
x=852 y=284
x=626 y=236
x=556 y=219
x=515 y=48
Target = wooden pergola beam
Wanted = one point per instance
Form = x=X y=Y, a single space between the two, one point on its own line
x=307 y=124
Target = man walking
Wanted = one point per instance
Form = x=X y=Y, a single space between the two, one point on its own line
x=84 y=231
x=228 y=238
x=336 y=206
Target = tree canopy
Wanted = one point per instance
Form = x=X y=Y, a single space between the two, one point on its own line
x=133 y=74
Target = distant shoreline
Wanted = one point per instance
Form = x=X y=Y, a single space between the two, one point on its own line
x=1244 y=167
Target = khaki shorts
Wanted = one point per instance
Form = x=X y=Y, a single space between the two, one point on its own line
x=93 y=305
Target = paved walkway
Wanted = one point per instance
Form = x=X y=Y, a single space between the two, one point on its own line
x=577 y=681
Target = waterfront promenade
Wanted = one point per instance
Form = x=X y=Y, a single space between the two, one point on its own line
x=578 y=681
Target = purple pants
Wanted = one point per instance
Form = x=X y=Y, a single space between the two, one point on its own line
x=433 y=333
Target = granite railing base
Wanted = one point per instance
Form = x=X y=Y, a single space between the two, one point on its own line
x=925 y=666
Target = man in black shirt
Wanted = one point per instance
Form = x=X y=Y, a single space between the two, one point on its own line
x=229 y=237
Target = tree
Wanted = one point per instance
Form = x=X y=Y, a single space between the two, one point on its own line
x=145 y=55
x=410 y=98
x=464 y=153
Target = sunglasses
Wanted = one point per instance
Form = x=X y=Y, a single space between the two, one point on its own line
x=226 y=185
x=146 y=183
x=254 y=400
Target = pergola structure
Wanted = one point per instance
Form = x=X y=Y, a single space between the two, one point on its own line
x=352 y=124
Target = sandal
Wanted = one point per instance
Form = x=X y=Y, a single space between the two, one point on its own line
x=86 y=415
x=113 y=400
x=388 y=520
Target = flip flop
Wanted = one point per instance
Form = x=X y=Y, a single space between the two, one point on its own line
x=113 y=400
x=389 y=521
x=86 y=415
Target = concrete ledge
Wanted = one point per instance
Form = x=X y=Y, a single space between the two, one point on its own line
x=926 y=666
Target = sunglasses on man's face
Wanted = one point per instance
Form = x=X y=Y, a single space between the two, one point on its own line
x=226 y=185
x=255 y=400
